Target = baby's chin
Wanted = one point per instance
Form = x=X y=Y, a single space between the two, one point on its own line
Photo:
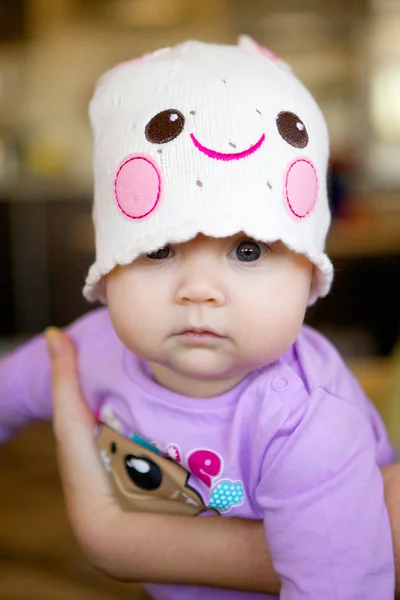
x=196 y=384
x=210 y=369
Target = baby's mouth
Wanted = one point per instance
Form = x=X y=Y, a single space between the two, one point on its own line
x=229 y=155
x=198 y=332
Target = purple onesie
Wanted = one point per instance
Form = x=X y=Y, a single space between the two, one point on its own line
x=296 y=443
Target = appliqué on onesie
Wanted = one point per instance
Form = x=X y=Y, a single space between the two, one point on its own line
x=150 y=478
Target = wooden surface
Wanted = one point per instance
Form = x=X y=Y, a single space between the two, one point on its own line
x=375 y=374
x=39 y=559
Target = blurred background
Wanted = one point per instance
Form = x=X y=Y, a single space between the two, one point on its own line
x=51 y=53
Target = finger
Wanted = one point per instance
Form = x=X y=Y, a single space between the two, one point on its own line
x=83 y=476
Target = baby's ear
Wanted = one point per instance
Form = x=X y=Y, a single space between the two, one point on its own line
x=247 y=43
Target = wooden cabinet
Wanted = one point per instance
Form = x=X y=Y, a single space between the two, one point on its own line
x=13 y=20
x=43 y=263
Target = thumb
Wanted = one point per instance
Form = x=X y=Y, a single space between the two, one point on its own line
x=68 y=403
x=79 y=461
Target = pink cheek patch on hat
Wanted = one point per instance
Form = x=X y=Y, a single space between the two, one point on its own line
x=137 y=186
x=301 y=187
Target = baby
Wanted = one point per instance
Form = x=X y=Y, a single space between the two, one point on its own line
x=211 y=214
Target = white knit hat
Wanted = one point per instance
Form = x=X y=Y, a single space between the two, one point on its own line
x=212 y=139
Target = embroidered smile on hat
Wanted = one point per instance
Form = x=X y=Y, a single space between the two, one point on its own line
x=212 y=139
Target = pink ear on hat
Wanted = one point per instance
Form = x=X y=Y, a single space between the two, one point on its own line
x=248 y=43
x=267 y=52
x=132 y=60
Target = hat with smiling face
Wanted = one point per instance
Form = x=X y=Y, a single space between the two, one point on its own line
x=212 y=139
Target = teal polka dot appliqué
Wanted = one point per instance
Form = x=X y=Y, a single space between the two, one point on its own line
x=226 y=495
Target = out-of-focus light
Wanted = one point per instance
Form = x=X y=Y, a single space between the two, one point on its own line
x=297 y=20
x=385 y=102
x=385 y=5
x=297 y=24
x=147 y=13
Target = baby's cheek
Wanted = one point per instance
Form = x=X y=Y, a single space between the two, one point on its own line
x=137 y=186
x=301 y=187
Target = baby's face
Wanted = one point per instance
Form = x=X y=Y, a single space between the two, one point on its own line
x=210 y=310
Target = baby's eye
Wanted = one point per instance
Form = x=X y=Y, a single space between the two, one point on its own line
x=161 y=253
x=249 y=251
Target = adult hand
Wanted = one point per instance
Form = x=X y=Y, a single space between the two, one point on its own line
x=91 y=506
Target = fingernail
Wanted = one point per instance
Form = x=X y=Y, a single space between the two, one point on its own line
x=53 y=340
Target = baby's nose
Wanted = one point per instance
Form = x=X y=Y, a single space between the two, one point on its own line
x=200 y=290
